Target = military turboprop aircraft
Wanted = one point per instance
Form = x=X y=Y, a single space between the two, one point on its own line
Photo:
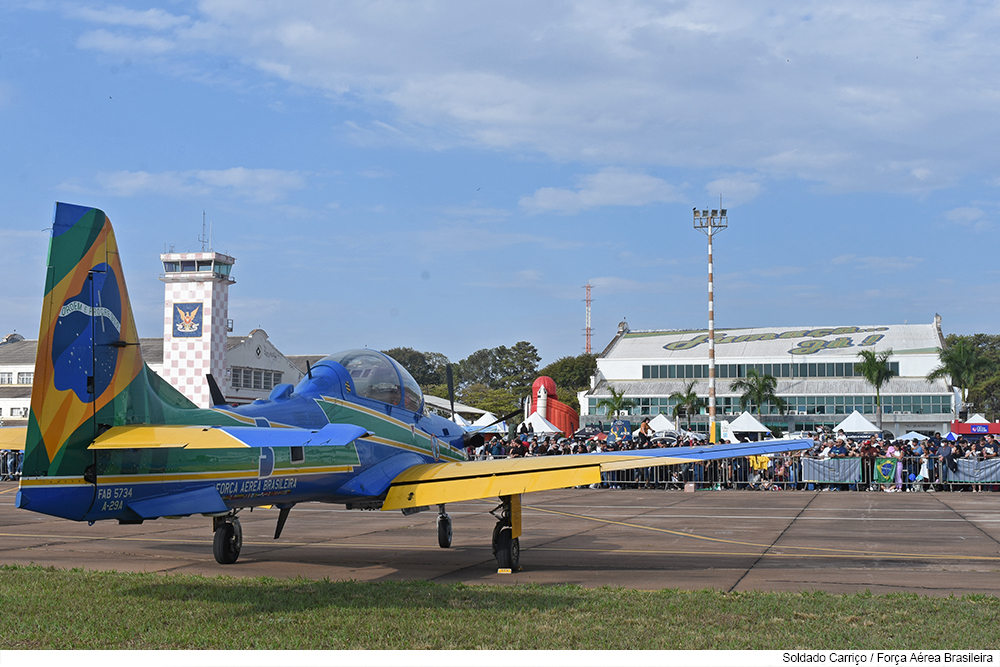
x=108 y=439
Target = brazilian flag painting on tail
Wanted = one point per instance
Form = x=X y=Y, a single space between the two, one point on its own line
x=89 y=371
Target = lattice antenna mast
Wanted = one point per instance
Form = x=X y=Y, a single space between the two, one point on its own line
x=588 y=331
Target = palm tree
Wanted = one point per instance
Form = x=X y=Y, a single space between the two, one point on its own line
x=758 y=390
x=874 y=368
x=616 y=403
x=961 y=363
x=688 y=401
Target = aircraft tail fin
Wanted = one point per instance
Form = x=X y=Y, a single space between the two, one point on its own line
x=89 y=371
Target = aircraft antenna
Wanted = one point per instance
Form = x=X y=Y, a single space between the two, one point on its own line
x=203 y=239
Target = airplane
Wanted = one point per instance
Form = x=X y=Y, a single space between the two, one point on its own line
x=110 y=440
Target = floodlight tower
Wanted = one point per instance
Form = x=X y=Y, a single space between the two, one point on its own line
x=709 y=223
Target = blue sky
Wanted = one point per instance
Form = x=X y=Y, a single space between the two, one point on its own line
x=448 y=175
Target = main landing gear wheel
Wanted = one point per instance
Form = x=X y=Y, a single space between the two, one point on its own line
x=444 y=531
x=506 y=547
x=228 y=540
x=507 y=550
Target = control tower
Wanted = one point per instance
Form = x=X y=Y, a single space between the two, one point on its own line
x=196 y=321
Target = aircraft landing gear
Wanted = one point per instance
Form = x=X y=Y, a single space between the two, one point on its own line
x=506 y=546
x=444 y=528
x=228 y=539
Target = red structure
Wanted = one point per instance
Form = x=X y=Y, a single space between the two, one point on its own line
x=961 y=428
x=558 y=414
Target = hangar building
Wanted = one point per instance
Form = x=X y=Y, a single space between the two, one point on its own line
x=814 y=367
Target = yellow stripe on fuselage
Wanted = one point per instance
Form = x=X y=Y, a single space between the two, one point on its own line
x=156 y=478
x=446 y=451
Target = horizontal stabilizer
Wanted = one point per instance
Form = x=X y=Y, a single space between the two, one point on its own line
x=12 y=437
x=205 y=500
x=225 y=437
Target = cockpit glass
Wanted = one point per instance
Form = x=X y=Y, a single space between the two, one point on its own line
x=377 y=377
x=413 y=397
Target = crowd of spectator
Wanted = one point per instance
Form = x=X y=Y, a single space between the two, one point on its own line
x=928 y=464
x=917 y=465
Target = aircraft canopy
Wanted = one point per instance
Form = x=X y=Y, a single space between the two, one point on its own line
x=380 y=378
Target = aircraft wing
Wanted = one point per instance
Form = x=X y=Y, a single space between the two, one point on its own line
x=12 y=437
x=437 y=483
x=144 y=436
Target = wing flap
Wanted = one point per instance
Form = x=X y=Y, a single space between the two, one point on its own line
x=420 y=493
x=146 y=436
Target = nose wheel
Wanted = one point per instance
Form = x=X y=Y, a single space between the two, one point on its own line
x=228 y=539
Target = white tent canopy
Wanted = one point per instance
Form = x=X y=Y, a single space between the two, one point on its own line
x=660 y=423
x=746 y=423
x=855 y=423
x=485 y=424
x=977 y=419
x=541 y=425
x=913 y=435
x=461 y=421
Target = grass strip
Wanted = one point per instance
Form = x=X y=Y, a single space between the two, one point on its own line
x=47 y=608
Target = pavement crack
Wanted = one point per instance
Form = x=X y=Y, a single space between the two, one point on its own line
x=773 y=543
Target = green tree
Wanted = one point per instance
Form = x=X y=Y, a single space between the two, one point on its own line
x=874 y=367
x=517 y=367
x=961 y=364
x=573 y=373
x=425 y=367
x=757 y=391
x=477 y=368
x=616 y=403
x=986 y=397
x=498 y=401
x=512 y=368
x=687 y=401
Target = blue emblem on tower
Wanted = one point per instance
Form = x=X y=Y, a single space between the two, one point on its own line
x=187 y=320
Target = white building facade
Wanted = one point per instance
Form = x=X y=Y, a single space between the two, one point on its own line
x=814 y=368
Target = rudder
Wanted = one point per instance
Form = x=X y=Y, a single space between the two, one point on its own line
x=88 y=349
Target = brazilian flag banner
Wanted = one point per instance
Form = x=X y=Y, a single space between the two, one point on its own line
x=885 y=470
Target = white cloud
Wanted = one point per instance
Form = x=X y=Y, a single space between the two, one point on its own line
x=103 y=40
x=878 y=264
x=259 y=185
x=609 y=187
x=855 y=95
x=738 y=188
x=153 y=19
x=970 y=217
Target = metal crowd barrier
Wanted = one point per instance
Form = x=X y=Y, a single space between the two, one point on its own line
x=10 y=465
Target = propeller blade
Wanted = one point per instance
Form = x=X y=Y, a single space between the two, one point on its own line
x=501 y=419
x=451 y=388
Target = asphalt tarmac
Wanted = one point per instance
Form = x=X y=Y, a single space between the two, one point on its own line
x=936 y=544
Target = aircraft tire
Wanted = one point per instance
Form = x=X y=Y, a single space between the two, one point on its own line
x=228 y=542
x=444 y=531
x=508 y=551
